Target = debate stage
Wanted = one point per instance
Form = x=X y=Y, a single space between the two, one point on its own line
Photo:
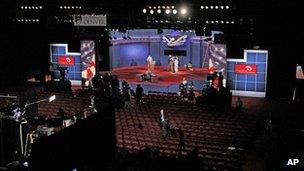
x=166 y=81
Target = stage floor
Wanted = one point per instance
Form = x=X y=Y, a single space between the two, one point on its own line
x=167 y=81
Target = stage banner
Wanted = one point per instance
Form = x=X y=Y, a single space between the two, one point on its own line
x=245 y=69
x=88 y=60
x=66 y=60
x=216 y=55
x=90 y=20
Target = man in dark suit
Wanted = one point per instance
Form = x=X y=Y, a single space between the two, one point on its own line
x=139 y=93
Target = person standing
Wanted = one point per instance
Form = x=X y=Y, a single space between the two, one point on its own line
x=51 y=70
x=175 y=64
x=171 y=64
x=181 y=144
x=239 y=105
x=127 y=100
x=149 y=63
x=139 y=93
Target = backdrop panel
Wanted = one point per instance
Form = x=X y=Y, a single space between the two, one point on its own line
x=248 y=76
x=60 y=56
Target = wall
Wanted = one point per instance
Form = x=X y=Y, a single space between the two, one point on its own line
x=146 y=42
x=249 y=84
x=57 y=50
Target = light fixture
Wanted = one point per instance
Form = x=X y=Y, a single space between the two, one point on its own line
x=227 y=7
x=206 y=7
x=52 y=98
x=144 y=11
x=151 y=11
x=216 y=7
x=168 y=11
x=174 y=11
x=202 y=7
x=183 y=11
x=158 y=11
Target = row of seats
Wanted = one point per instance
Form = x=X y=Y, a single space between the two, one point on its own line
x=221 y=136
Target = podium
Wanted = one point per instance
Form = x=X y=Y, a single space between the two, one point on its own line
x=154 y=79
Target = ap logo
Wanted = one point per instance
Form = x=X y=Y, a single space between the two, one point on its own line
x=292 y=162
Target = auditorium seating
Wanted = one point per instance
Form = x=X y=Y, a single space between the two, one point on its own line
x=71 y=103
x=221 y=136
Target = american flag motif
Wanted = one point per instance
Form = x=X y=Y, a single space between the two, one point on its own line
x=88 y=60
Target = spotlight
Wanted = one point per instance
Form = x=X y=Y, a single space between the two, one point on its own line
x=174 y=11
x=40 y=7
x=206 y=7
x=163 y=7
x=150 y=7
x=232 y=22
x=144 y=11
x=227 y=7
x=222 y=7
x=158 y=11
x=25 y=7
x=154 y=7
x=172 y=7
x=183 y=11
x=216 y=7
x=211 y=7
x=227 y=22
x=52 y=98
x=21 y=7
x=222 y=22
x=212 y=22
x=151 y=11
x=207 y=22
x=168 y=7
x=202 y=7
x=168 y=11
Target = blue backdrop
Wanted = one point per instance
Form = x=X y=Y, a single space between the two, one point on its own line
x=62 y=50
x=249 y=84
x=146 y=42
